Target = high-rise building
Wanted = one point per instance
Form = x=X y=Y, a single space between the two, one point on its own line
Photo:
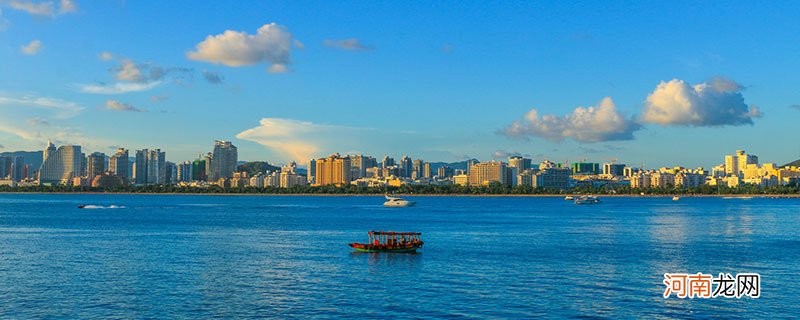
x=5 y=167
x=185 y=172
x=171 y=173
x=614 y=169
x=140 y=167
x=199 y=170
x=333 y=170
x=406 y=166
x=17 y=168
x=95 y=165
x=470 y=163
x=552 y=177
x=444 y=172
x=737 y=163
x=387 y=162
x=519 y=164
x=224 y=160
x=118 y=164
x=416 y=169
x=426 y=170
x=311 y=173
x=151 y=167
x=207 y=159
x=60 y=165
x=488 y=172
x=585 y=168
x=358 y=166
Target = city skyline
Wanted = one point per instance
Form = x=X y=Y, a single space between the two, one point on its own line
x=287 y=84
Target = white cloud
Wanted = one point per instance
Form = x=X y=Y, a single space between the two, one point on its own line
x=271 y=44
x=351 y=44
x=277 y=68
x=67 y=6
x=61 y=107
x=118 y=87
x=106 y=56
x=4 y=23
x=158 y=98
x=32 y=48
x=48 y=8
x=37 y=122
x=716 y=103
x=128 y=71
x=302 y=140
x=45 y=8
x=593 y=124
x=25 y=115
x=119 y=106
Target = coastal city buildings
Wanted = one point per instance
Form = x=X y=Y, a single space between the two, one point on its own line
x=335 y=170
x=61 y=165
x=481 y=174
x=223 y=160
x=119 y=164
x=68 y=165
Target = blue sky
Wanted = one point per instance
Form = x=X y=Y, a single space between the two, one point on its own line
x=438 y=81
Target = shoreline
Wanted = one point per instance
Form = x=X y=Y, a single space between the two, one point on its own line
x=421 y=195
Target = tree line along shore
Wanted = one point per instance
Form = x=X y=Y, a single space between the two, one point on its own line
x=492 y=189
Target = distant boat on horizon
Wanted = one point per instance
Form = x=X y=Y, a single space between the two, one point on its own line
x=587 y=200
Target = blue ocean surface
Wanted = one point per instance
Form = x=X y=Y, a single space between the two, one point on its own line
x=187 y=256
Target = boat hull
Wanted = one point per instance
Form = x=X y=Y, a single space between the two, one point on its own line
x=361 y=247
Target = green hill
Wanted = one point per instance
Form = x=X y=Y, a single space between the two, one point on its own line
x=795 y=163
x=254 y=167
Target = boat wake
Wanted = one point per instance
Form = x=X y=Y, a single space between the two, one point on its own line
x=90 y=206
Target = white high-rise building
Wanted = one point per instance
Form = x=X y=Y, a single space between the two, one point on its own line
x=60 y=165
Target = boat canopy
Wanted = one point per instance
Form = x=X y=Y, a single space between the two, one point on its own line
x=392 y=233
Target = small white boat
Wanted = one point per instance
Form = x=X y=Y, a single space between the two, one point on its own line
x=397 y=202
x=569 y=198
x=587 y=200
x=676 y=198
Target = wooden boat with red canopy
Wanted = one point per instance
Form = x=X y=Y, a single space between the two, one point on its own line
x=390 y=241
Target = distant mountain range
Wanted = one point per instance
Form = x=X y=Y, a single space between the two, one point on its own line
x=33 y=158
x=795 y=163
x=455 y=165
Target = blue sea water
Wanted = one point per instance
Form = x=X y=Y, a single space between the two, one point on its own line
x=176 y=256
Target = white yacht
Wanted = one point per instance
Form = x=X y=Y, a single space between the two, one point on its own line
x=676 y=198
x=569 y=198
x=587 y=200
x=397 y=202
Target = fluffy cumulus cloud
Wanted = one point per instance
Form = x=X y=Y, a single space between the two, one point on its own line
x=593 y=124
x=270 y=44
x=41 y=8
x=119 y=106
x=32 y=48
x=351 y=44
x=718 y=102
